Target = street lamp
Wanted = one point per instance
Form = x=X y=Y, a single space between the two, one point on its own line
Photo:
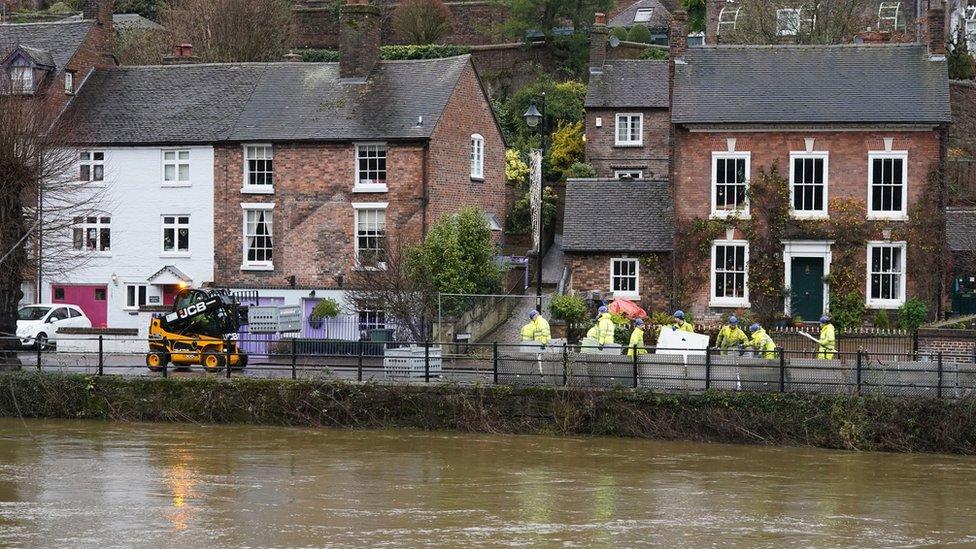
x=534 y=118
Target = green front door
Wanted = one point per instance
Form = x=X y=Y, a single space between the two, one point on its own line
x=964 y=294
x=807 y=287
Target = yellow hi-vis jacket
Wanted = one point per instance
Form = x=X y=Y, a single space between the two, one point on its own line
x=828 y=342
x=636 y=340
x=683 y=326
x=730 y=336
x=761 y=342
x=537 y=330
x=603 y=330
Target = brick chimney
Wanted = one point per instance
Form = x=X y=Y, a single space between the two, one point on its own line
x=103 y=33
x=598 y=43
x=98 y=10
x=679 y=36
x=933 y=34
x=359 y=39
x=181 y=54
x=713 y=9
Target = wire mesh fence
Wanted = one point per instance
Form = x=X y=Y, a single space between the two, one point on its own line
x=860 y=372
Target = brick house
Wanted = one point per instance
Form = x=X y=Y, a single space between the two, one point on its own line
x=47 y=62
x=627 y=117
x=614 y=232
x=863 y=124
x=310 y=169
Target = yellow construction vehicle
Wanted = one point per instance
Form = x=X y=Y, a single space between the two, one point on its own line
x=196 y=332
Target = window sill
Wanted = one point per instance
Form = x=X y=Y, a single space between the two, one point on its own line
x=626 y=295
x=170 y=185
x=810 y=215
x=246 y=267
x=370 y=189
x=628 y=145
x=362 y=269
x=886 y=304
x=894 y=216
x=726 y=214
x=729 y=303
x=478 y=179
x=175 y=254
x=257 y=190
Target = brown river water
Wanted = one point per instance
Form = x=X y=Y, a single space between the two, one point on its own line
x=95 y=484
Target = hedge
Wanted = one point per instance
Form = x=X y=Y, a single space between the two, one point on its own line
x=432 y=51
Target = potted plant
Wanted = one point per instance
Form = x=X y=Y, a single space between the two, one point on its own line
x=325 y=308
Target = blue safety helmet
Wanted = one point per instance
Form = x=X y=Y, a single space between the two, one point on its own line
x=603 y=309
x=754 y=327
x=679 y=314
x=639 y=322
x=533 y=313
x=824 y=319
x=733 y=321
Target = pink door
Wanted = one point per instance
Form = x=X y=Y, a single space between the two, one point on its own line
x=91 y=298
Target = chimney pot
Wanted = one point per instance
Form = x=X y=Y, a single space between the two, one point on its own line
x=601 y=18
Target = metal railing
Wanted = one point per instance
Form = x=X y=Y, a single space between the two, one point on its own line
x=860 y=372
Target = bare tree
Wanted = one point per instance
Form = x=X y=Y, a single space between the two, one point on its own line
x=221 y=31
x=42 y=200
x=404 y=294
x=812 y=22
x=422 y=21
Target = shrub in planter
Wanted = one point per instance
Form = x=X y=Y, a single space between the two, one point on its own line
x=912 y=314
x=569 y=308
x=326 y=308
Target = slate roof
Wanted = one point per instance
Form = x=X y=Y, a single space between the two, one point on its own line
x=126 y=21
x=629 y=83
x=961 y=230
x=660 y=17
x=40 y=57
x=606 y=215
x=59 y=39
x=207 y=103
x=811 y=84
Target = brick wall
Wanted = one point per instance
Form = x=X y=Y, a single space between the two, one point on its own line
x=962 y=132
x=95 y=51
x=317 y=26
x=591 y=272
x=313 y=220
x=449 y=160
x=605 y=157
x=961 y=343
x=847 y=171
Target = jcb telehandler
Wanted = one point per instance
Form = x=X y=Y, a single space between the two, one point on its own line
x=196 y=332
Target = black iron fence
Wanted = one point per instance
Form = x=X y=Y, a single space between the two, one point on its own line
x=845 y=372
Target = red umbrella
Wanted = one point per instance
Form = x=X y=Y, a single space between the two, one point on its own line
x=628 y=309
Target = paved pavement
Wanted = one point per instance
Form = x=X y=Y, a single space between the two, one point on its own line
x=553 y=263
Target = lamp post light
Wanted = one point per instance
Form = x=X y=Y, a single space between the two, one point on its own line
x=535 y=117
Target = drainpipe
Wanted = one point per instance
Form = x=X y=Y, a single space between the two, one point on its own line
x=943 y=201
x=424 y=197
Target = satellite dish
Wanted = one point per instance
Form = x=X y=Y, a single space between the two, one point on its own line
x=614 y=41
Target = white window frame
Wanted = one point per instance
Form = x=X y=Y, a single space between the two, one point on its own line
x=649 y=12
x=618 y=173
x=69 y=82
x=723 y=301
x=969 y=22
x=176 y=162
x=92 y=163
x=899 y=215
x=175 y=226
x=897 y=302
x=613 y=276
x=360 y=187
x=477 y=156
x=369 y=319
x=724 y=155
x=21 y=80
x=246 y=186
x=140 y=287
x=360 y=206
x=256 y=265
x=629 y=116
x=795 y=15
x=815 y=155
x=98 y=225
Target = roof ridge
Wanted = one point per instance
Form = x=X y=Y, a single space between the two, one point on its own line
x=51 y=23
x=272 y=63
x=805 y=46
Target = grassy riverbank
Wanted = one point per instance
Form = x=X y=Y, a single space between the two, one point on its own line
x=863 y=423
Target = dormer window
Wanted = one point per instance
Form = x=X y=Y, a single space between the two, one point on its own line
x=22 y=80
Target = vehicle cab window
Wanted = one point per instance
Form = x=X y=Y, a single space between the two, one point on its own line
x=74 y=313
x=58 y=314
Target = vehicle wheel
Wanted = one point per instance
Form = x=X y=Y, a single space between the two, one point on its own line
x=213 y=362
x=40 y=342
x=241 y=362
x=157 y=360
